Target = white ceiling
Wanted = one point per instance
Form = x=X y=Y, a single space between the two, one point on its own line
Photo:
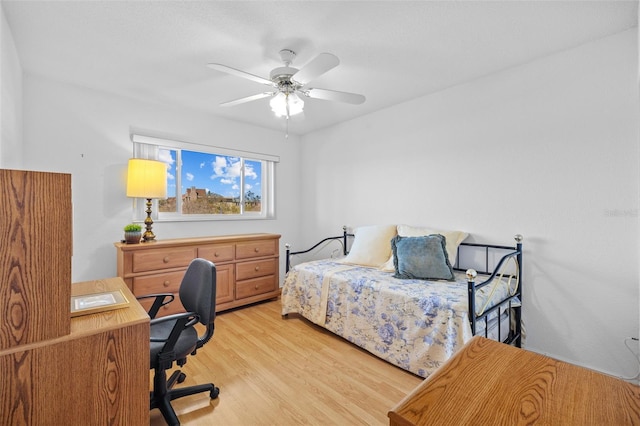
x=390 y=51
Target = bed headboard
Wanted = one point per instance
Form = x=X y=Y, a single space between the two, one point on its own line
x=342 y=238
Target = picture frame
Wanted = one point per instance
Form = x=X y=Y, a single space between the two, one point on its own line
x=85 y=304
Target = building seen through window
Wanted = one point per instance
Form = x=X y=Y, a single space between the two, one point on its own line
x=211 y=183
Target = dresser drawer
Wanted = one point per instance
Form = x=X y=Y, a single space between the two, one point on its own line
x=168 y=282
x=259 y=248
x=152 y=260
x=257 y=268
x=255 y=286
x=217 y=252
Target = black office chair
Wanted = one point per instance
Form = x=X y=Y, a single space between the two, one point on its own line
x=174 y=337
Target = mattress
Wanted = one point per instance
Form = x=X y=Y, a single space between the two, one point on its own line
x=414 y=324
x=496 y=330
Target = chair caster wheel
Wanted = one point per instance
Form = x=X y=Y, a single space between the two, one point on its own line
x=214 y=393
x=181 y=377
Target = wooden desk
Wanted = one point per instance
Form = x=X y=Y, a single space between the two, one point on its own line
x=96 y=375
x=490 y=383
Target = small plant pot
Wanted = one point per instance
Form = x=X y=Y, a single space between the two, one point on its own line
x=132 y=237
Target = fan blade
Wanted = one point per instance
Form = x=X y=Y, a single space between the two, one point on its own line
x=238 y=73
x=314 y=69
x=247 y=99
x=334 y=95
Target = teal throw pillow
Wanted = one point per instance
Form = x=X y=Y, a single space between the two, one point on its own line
x=423 y=258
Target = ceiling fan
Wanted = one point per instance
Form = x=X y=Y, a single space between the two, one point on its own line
x=289 y=84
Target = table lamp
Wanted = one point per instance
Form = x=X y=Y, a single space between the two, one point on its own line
x=147 y=179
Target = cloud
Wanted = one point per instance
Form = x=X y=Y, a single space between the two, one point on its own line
x=189 y=176
x=219 y=166
x=226 y=167
x=202 y=165
x=164 y=155
x=234 y=169
x=171 y=176
x=247 y=186
x=226 y=181
x=248 y=171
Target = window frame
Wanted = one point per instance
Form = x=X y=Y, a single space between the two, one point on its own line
x=148 y=147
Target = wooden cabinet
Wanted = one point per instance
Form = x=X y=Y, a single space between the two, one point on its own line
x=98 y=374
x=247 y=267
x=57 y=370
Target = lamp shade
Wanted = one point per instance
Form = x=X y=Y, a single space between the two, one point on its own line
x=146 y=179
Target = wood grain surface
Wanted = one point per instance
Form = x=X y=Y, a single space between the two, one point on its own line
x=35 y=265
x=490 y=383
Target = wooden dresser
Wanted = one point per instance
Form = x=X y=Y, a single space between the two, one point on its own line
x=490 y=383
x=247 y=267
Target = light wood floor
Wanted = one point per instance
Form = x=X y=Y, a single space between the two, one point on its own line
x=275 y=371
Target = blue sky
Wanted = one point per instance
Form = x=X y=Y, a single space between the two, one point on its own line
x=215 y=173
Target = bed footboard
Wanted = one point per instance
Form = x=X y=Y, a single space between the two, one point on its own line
x=512 y=303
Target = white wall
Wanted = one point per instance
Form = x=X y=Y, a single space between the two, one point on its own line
x=10 y=100
x=86 y=133
x=548 y=150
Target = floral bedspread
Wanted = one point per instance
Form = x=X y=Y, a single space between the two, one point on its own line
x=414 y=324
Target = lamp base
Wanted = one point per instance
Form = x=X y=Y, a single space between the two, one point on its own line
x=148 y=233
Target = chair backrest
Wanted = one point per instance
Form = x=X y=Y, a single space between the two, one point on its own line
x=198 y=290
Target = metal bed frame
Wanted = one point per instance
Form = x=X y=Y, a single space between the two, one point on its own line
x=514 y=301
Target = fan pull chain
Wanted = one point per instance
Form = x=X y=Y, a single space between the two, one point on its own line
x=286 y=100
x=286 y=135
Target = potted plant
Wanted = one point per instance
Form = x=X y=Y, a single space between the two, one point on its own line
x=132 y=233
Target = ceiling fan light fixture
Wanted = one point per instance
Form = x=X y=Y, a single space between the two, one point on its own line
x=286 y=104
x=295 y=104
x=287 y=82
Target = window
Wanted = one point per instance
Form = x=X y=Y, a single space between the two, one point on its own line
x=209 y=183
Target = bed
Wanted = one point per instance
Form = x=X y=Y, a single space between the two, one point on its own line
x=409 y=321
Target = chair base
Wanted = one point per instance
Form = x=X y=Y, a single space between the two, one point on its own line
x=163 y=393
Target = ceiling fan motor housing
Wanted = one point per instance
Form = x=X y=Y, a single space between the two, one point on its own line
x=281 y=77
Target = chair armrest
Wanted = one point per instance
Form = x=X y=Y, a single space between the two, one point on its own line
x=176 y=317
x=158 y=303
x=182 y=321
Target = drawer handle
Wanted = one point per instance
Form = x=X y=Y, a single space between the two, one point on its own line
x=216 y=254
x=256 y=249
x=166 y=259
x=257 y=286
x=166 y=283
x=257 y=268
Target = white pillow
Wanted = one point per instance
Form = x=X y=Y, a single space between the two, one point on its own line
x=371 y=246
x=388 y=266
x=454 y=238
